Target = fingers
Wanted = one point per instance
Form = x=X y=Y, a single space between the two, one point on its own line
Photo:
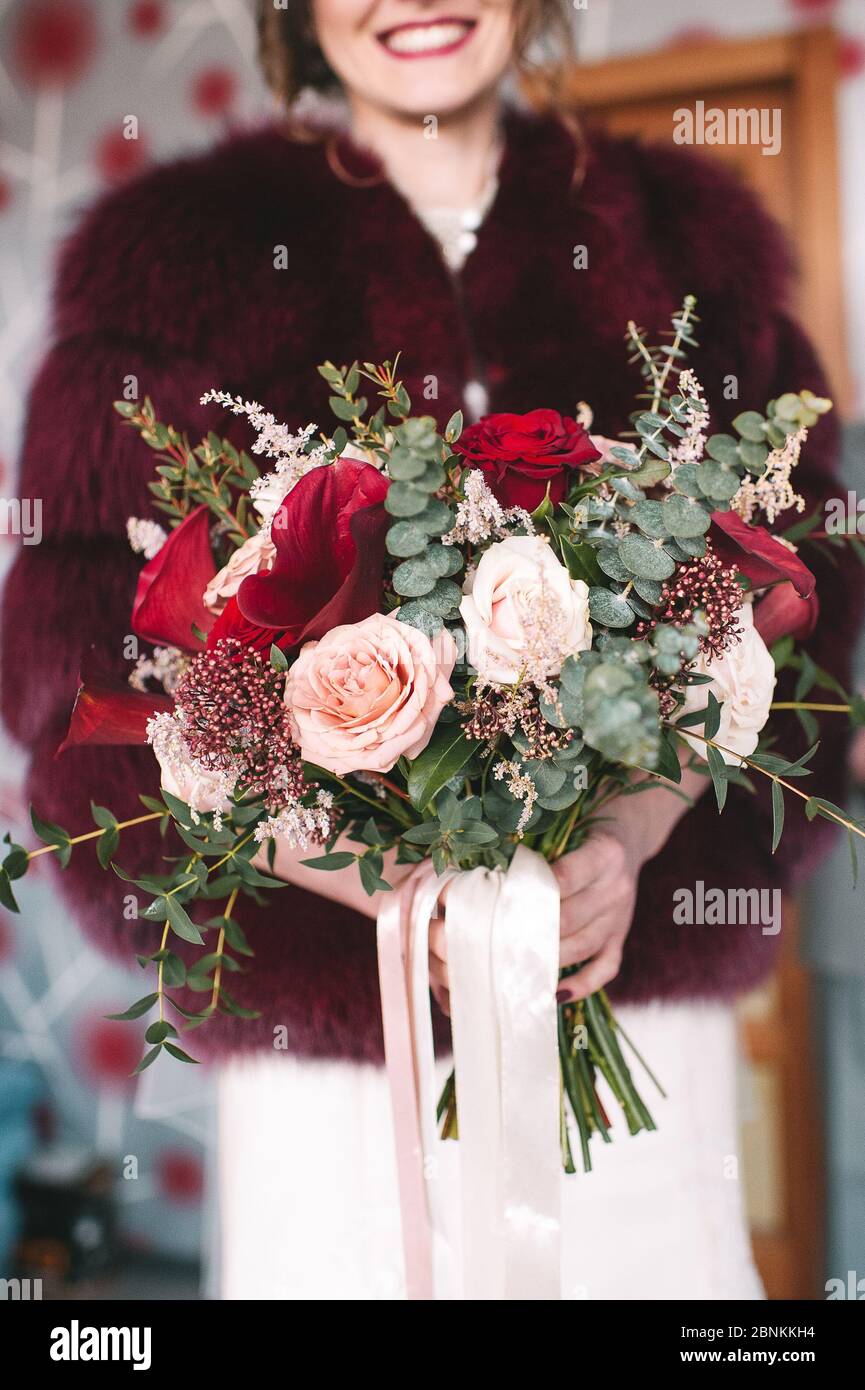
x=585 y=945
x=437 y=939
x=602 y=857
x=608 y=899
x=438 y=973
x=442 y=998
x=594 y=976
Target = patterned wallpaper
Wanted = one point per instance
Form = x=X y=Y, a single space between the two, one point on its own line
x=72 y=73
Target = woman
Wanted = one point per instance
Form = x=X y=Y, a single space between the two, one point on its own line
x=502 y=255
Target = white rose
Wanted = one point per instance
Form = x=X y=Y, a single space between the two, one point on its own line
x=743 y=682
x=201 y=790
x=182 y=776
x=523 y=613
x=268 y=493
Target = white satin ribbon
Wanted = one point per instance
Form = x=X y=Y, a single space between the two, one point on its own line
x=428 y=887
x=525 y=978
x=503 y=945
x=470 y=927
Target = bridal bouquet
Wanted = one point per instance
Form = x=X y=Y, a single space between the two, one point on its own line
x=400 y=644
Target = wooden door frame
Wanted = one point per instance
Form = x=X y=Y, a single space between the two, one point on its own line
x=806 y=62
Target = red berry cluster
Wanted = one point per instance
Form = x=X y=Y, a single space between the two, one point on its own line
x=235 y=720
x=706 y=587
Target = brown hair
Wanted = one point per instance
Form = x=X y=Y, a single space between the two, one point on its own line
x=292 y=60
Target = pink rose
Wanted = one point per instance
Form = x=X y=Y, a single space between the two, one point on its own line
x=368 y=693
x=256 y=554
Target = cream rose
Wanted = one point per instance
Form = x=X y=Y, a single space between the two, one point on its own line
x=255 y=554
x=182 y=776
x=368 y=693
x=523 y=612
x=743 y=682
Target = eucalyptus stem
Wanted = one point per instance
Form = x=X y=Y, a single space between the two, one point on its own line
x=772 y=776
x=160 y=974
x=220 y=947
x=803 y=704
x=93 y=834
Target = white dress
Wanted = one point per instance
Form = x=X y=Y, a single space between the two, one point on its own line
x=308 y=1197
x=307 y=1176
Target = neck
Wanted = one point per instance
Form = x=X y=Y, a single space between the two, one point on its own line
x=446 y=164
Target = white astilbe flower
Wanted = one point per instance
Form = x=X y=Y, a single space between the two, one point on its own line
x=481 y=516
x=773 y=492
x=585 y=415
x=275 y=441
x=166 y=666
x=145 y=537
x=301 y=826
x=545 y=626
x=521 y=787
x=692 y=445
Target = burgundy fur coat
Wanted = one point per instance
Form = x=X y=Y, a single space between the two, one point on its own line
x=172 y=281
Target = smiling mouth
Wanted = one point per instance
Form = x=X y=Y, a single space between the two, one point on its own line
x=428 y=38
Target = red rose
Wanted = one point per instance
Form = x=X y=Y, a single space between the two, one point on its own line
x=757 y=554
x=521 y=454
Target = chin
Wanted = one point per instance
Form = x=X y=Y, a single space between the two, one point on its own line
x=442 y=99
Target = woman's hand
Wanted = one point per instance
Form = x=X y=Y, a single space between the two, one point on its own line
x=598 y=884
x=340 y=885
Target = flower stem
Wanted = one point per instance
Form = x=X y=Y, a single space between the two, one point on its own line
x=220 y=947
x=802 y=704
x=93 y=834
x=772 y=776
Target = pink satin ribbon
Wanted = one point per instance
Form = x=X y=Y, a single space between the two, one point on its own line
x=393 y=935
x=502 y=933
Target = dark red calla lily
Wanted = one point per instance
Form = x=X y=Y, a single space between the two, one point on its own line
x=168 y=600
x=109 y=711
x=329 y=536
x=757 y=554
x=783 y=613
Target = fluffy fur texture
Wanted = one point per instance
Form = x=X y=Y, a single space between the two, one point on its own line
x=172 y=281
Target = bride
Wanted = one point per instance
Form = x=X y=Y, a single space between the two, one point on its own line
x=402 y=200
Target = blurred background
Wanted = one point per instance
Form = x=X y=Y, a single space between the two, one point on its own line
x=106 y=1194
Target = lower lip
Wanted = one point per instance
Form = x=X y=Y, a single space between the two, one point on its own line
x=432 y=52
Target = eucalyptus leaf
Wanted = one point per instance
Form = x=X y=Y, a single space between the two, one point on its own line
x=649 y=516
x=723 y=448
x=751 y=425
x=684 y=516
x=406 y=538
x=645 y=559
x=609 y=609
x=414 y=578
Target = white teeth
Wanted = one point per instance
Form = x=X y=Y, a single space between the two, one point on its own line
x=425 y=37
